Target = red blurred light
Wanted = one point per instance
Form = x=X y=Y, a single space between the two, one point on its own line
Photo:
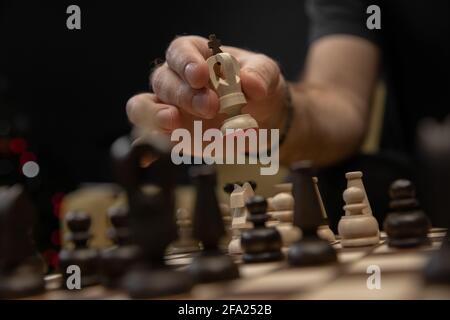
x=27 y=156
x=57 y=198
x=57 y=210
x=51 y=256
x=17 y=145
x=55 y=238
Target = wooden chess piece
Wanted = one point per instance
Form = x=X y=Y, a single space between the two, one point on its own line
x=357 y=228
x=151 y=218
x=354 y=179
x=433 y=155
x=282 y=210
x=310 y=250
x=261 y=243
x=224 y=77
x=239 y=211
x=116 y=261
x=227 y=220
x=437 y=270
x=324 y=231
x=21 y=269
x=211 y=264
x=185 y=242
x=87 y=259
x=406 y=225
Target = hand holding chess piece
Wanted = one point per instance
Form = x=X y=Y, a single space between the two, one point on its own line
x=183 y=92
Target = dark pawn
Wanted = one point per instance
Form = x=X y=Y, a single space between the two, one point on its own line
x=81 y=255
x=117 y=260
x=21 y=268
x=211 y=264
x=406 y=225
x=310 y=249
x=260 y=244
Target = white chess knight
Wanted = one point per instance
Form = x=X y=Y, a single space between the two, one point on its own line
x=224 y=77
x=357 y=228
x=239 y=214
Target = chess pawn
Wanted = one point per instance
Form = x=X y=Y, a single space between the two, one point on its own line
x=282 y=205
x=185 y=242
x=356 y=228
x=354 y=179
x=81 y=255
x=260 y=244
x=116 y=261
x=406 y=225
x=227 y=85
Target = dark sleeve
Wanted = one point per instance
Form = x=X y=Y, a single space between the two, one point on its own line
x=339 y=17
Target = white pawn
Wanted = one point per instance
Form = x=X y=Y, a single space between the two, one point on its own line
x=356 y=228
x=282 y=205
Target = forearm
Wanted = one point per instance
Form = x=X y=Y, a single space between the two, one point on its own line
x=328 y=125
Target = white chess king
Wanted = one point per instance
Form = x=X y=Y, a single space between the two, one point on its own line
x=224 y=77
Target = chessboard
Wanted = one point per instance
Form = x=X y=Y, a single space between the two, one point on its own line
x=401 y=277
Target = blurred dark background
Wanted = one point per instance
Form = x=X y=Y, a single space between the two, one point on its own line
x=63 y=92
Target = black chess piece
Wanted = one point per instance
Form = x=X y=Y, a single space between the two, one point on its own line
x=260 y=244
x=211 y=264
x=151 y=219
x=116 y=261
x=433 y=155
x=310 y=249
x=437 y=270
x=21 y=269
x=406 y=225
x=81 y=255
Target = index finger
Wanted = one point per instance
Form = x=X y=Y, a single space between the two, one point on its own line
x=187 y=57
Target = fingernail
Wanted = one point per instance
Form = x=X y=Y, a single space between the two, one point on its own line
x=200 y=104
x=164 y=119
x=189 y=72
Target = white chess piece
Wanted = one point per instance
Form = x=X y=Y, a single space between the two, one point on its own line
x=282 y=205
x=357 y=228
x=354 y=179
x=239 y=214
x=324 y=232
x=227 y=85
